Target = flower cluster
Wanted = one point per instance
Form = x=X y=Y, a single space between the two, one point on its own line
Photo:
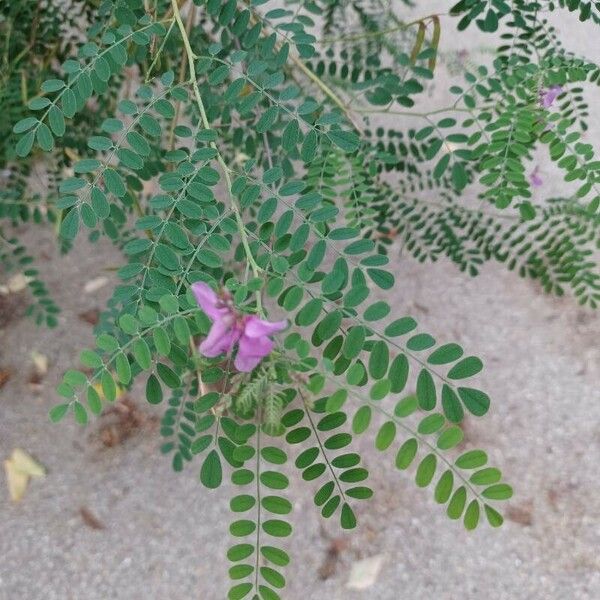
x=230 y=327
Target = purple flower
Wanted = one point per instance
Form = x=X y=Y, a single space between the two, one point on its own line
x=535 y=179
x=230 y=327
x=547 y=97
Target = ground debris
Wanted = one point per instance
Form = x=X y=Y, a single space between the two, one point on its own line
x=121 y=421
x=19 y=469
x=521 y=514
x=91 y=316
x=330 y=563
x=90 y=519
x=5 y=375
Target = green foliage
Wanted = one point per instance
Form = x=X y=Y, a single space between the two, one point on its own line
x=225 y=143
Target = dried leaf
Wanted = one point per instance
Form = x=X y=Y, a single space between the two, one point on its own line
x=91 y=316
x=40 y=362
x=16 y=480
x=4 y=376
x=17 y=283
x=19 y=468
x=90 y=519
x=363 y=573
x=93 y=285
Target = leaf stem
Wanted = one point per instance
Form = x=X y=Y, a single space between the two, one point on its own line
x=226 y=171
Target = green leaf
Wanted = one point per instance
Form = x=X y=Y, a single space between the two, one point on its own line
x=58 y=412
x=445 y=354
x=277 y=528
x=24 y=125
x=114 y=183
x=141 y=353
x=69 y=226
x=378 y=360
x=377 y=311
x=444 y=486
x=500 y=491
x=493 y=516
x=400 y=327
x=451 y=405
x=456 y=505
x=123 y=368
x=426 y=390
x=476 y=401
x=211 y=473
x=25 y=144
x=426 y=470
x=44 y=137
x=472 y=459
x=398 y=373
x=346 y=140
x=385 y=436
x=467 y=367
x=80 y=413
x=347 y=517
x=154 y=393
x=361 y=419
x=450 y=438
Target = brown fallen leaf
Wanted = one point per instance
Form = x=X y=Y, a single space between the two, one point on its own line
x=522 y=514
x=4 y=376
x=12 y=307
x=90 y=519
x=19 y=468
x=91 y=316
x=336 y=547
x=121 y=421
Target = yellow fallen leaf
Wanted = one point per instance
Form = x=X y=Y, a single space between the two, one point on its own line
x=40 y=362
x=16 y=283
x=19 y=468
x=16 y=480
x=26 y=464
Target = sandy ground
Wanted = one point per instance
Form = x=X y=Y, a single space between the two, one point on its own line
x=163 y=537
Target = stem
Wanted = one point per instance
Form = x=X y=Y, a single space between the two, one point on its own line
x=258 y=499
x=159 y=52
x=226 y=171
x=326 y=90
x=370 y=34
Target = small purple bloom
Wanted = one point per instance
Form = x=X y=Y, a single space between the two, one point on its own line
x=547 y=97
x=535 y=179
x=230 y=327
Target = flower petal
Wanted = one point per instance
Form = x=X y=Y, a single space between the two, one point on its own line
x=251 y=351
x=220 y=339
x=255 y=327
x=208 y=300
x=547 y=97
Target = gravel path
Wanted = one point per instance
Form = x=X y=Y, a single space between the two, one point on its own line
x=162 y=536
